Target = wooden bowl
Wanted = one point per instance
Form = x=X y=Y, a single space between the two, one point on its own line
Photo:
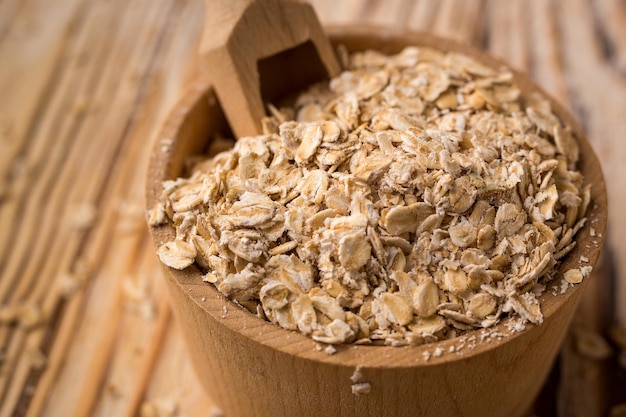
x=250 y=367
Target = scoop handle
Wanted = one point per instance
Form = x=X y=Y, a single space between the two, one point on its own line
x=239 y=33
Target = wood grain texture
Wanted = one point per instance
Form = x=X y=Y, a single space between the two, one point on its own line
x=85 y=87
x=246 y=43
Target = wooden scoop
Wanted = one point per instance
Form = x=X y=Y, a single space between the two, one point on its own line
x=257 y=51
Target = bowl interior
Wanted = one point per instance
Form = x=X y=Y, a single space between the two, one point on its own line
x=198 y=117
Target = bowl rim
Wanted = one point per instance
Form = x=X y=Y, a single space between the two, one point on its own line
x=258 y=331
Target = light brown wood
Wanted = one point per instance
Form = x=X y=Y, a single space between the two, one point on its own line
x=85 y=88
x=253 y=368
x=257 y=51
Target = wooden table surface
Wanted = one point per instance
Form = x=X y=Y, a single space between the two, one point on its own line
x=85 y=324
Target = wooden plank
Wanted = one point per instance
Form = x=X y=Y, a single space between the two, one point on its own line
x=17 y=368
x=85 y=86
x=610 y=16
x=334 y=12
x=423 y=14
x=118 y=391
x=507 y=32
x=82 y=162
x=89 y=361
x=9 y=9
x=546 y=61
x=174 y=379
x=388 y=13
x=599 y=101
x=41 y=55
x=459 y=20
x=32 y=45
x=136 y=387
x=597 y=98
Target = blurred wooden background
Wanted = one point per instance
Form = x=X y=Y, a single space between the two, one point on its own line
x=85 y=325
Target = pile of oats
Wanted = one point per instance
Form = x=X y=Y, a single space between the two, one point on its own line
x=413 y=198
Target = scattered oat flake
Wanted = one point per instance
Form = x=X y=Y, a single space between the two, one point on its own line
x=516 y=325
x=573 y=276
x=357 y=375
x=591 y=344
x=131 y=218
x=36 y=359
x=82 y=216
x=177 y=254
x=70 y=283
x=159 y=408
x=30 y=315
x=216 y=412
x=362 y=388
x=359 y=387
x=330 y=350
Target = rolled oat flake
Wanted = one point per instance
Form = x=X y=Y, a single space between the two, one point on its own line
x=411 y=199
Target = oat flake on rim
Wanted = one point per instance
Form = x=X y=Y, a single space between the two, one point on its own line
x=413 y=198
